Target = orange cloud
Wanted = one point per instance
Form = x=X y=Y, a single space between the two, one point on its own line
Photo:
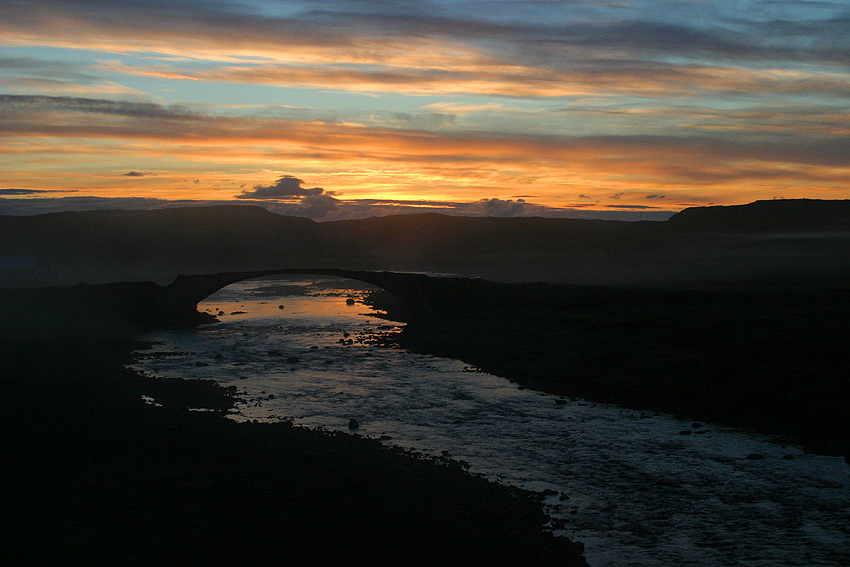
x=488 y=76
x=98 y=138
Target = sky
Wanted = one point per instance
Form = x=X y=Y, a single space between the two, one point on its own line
x=348 y=108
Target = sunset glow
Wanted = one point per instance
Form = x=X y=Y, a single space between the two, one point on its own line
x=527 y=107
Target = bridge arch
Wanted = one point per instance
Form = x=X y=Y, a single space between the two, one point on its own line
x=180 y=298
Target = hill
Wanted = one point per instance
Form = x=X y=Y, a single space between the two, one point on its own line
x=767 y=243
x=776 y=216
x=95 y=246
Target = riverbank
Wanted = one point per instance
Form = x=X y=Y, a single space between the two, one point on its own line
x=104 y=466
x=772 y=361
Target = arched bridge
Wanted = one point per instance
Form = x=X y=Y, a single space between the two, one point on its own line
x=180 y=299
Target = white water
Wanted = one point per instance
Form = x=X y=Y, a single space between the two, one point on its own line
x=629 y=484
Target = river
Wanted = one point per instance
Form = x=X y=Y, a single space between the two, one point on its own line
x=638 y=488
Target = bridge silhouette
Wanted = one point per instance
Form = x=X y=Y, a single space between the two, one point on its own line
x=180 y=299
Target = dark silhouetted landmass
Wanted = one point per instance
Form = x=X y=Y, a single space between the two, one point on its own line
x=434 y=236
x=781 y=216
x=102 y=246
x=738 y=315
x=774 y=244
x=95 y=476
x=776 y=362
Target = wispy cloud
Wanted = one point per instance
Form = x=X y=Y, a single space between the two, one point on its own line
x=797 y=30
x=21 y=192
x=489 y=76
x=452 y=102
x=371 y=158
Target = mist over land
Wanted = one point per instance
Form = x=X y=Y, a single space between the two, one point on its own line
x=767 y=243
x=735 y=315
x=750 y=295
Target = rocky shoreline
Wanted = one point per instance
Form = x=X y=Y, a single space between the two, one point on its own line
x=98 y=476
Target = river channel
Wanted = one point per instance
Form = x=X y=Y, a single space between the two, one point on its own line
x=638 y=488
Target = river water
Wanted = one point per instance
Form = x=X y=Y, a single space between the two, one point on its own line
x=638 y=488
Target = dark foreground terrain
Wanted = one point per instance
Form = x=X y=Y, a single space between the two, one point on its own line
x=94 y=475
x=773 y=361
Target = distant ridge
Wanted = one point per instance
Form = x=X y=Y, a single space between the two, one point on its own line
x=175 y=231
x=777 y=216
x=157 y=243
x=701 y=246
x=434 y=235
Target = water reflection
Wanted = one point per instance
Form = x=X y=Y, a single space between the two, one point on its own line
x=637 y=488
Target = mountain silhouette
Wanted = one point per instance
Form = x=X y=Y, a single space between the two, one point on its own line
x=775 y=216
x=766 y=242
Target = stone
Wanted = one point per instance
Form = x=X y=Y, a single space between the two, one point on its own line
x=352 y=424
